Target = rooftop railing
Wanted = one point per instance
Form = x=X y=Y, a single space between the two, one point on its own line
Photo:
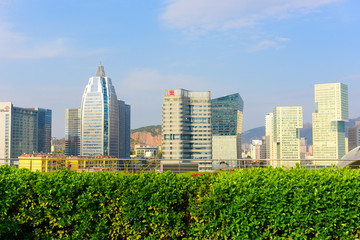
x=163 y=165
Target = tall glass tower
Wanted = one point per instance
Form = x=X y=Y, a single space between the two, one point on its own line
x=44 y=129
x=72 y=132
x=99 y=117
x=227 y=116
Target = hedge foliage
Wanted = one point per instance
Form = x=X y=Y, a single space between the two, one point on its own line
x=247 y=204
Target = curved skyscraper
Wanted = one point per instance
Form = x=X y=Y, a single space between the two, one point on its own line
x=99 y=117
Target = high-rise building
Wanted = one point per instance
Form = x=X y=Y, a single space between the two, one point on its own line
x=354 y=136
x=331 y=113
x=186 y=124
x=263 y=150
x=269 y=134
x=124 y=130
x=19 y=130
x=227 y=116
x=99 y=117
x=287 y=124
x=72 y=132
x=44 y=130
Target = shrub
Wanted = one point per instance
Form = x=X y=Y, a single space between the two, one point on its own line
x=253 y=203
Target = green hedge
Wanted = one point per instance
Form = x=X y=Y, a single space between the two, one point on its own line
x=247 y=204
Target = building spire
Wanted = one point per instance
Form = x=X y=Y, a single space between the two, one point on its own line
x=100 y=72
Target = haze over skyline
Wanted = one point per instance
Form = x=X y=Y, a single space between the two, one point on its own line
x=272 y=52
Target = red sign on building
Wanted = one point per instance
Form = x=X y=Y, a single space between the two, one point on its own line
x=171 y=92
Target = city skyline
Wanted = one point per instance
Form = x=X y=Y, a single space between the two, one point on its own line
x=272 y=58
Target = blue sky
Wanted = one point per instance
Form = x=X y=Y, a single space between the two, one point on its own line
x=272 y=52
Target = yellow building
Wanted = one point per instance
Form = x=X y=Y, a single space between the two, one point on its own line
x=42 y=162
x=86 y=163
x=55 y=162
x=331 y=113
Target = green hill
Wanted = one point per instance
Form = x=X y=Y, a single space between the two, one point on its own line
x=153 y=129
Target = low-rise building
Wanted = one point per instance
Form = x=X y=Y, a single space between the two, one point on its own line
x=42 y=162
x=146 y=151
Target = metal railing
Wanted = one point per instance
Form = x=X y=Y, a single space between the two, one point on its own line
x=162 y=165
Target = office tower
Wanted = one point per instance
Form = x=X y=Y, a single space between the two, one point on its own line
x=287 y=124
x=99 y=117
x=124 y=130
x=186 y=124
x=331 y=113
x=127 y=130
x=354 y=136
x=72 y=132
x=263 y=149
x=18 y=131
x=44 y=130
x=269 y=134
x=227 y=116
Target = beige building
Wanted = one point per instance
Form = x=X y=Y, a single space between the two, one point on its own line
x=186 y=125
x=269 y=135
x=331 y=113
x=287 y=124
x=224 y=147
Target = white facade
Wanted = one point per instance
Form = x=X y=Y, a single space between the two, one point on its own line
x=5 y=130
x=255 y=149
x=269 y=133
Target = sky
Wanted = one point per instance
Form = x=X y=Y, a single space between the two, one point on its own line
x=272 y=52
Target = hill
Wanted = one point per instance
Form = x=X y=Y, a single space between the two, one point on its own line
x=149 y=135
x=252 y=134
x=154 y=130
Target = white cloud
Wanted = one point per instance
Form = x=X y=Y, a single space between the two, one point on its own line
x=265 y=44
x=20 y=46
x=229 y=14
x=151 y=80
x=351 y=77
x=144 y=89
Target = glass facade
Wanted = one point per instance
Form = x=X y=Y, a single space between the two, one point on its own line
x=354 y=136
x=44 y=130
x=24 y=131
x=72 y=132
x=226 y=119
x=99 y=117
x=124 y=130
x=227 y=115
